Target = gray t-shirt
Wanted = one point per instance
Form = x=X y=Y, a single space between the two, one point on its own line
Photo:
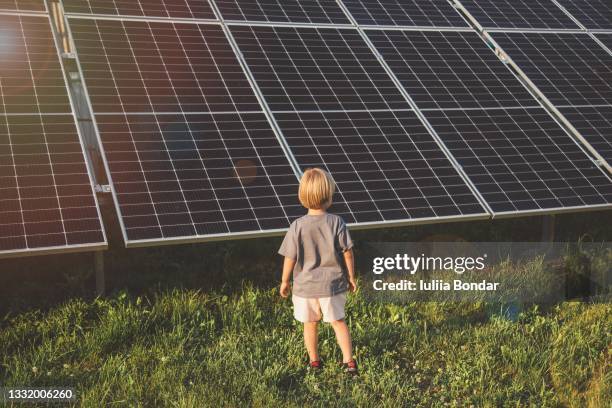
x=316 y=243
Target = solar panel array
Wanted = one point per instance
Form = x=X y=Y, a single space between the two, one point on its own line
x=46 y=196
x=284 y=11
x=519 y=14
x=592 y=14
x=338 y=109
x=516 y=154
x=203 y=134
x=189 y=149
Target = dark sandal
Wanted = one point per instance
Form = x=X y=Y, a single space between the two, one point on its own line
x=315 y=365
x=350 y=367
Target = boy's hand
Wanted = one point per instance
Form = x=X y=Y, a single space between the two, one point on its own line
x=284 y=289
x=352 y=285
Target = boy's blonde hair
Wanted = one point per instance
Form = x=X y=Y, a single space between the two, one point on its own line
x=316 y=189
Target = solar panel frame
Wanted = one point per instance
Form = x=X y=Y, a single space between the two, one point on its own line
x=592 y=14
x=55 y=141
x=283 y=11
x=397 y=13
x=201 y=10
x=606 y=39
x=289 y=207
x=517 y=14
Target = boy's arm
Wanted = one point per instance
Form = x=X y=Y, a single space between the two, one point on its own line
x=288 y=265
x=349 y=260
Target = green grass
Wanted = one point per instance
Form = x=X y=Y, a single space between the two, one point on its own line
x=192 y=349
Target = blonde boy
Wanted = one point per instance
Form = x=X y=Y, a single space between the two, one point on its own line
x=314 y=248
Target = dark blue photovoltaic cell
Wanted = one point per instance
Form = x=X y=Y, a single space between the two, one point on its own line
x=284 y=11
x=424 y=13
x=593 y=14
x=543 y=14
x=193 y=9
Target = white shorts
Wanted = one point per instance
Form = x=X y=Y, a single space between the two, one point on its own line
x=310 y=310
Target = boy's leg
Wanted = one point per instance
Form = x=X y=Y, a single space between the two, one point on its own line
x=343 y=336
x=311 y=340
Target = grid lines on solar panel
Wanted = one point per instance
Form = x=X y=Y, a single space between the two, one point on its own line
x=542 y=14
x=385 y=163
x=46 y=198
x=593 y=14
x=521 y=159
x=316 y=69
x=286 y=11
x=135 y=67
x=23 y=5
x=606 y=39
x=442 y=70
x=190 y=152
x=570 y=69
x=595 y=124
x=191 y=9
x=31 y=79
x=419 y=13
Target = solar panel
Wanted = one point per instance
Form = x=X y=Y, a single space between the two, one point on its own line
x=593 y=14
x=606 y=39
x=521 y=159
x=192 y=9
x=570 y=69
x=30 y=73
x=595 y=124
x=385 y=163
x=543 y=14
x=190 y=153
x=46 y=196
x=136 y=67
x=23 y=5
x=449 y=70
x=338 y=109
x=316 y=69
x=424 y=13
x=287 y=11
